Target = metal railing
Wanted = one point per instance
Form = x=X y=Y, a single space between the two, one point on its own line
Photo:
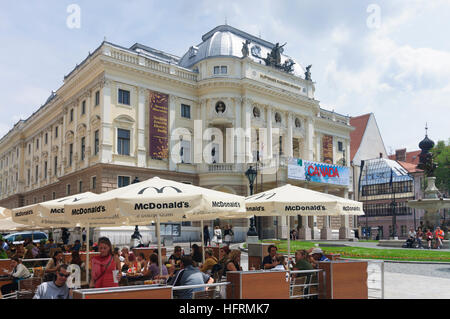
x=220 y=293
x=311 y=281
x=375 y=279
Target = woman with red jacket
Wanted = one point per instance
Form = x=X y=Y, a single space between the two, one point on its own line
x=105 y=266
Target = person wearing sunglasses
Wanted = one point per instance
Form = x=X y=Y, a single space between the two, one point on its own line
x=56 y=289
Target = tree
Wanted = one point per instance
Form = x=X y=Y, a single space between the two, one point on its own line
x=441 y=156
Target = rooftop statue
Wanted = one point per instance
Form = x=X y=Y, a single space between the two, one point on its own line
x=245 y=50
x=308 y=73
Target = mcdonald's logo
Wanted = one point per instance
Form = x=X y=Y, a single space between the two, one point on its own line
x=159 y=190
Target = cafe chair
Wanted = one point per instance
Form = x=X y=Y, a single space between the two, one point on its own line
x=298 y=290
x=208 y=294
x=28 y=287
x=38 y=272
x=313 y=290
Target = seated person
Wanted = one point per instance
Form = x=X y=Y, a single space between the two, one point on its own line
x=196 y=254
x=317 y=255
x=175 y=258
x=152 y=270
x=56 y=289
x=19 y=272
x=210 y=261
x=129 y=259
x=76 y=246
x=186 y=276
x=141 y=262
x=301 y=262
x=52 y=265
x=269 y=261
x=234 y=261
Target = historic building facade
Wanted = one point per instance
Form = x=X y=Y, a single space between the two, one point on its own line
x=203 y=119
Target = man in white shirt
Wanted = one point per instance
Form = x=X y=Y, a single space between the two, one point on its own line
x=19 y=272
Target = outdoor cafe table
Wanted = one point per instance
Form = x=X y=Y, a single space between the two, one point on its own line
x=257 y=285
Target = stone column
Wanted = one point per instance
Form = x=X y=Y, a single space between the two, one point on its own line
x=269 y=146
x=289 y=146
x=309 y=140
x=345 y=231
x=325 y=232
x=247 y=126
x=305 y=231
x=141 y=149
x=106 y=145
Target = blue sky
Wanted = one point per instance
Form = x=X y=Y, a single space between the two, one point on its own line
x=398 y=68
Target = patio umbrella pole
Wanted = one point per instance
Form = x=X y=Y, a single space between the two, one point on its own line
x=289 y=238
x=87 y=254
x=158 y=234
x=203 y=241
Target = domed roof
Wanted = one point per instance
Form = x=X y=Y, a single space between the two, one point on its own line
x=226 y=41
x=426 y=144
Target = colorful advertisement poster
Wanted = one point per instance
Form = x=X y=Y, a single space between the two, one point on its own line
x=159 y=125
x=318 y=172
x=327 y=149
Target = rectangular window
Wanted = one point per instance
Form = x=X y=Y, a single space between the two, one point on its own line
x=28 y=177
x=56 y=132
x=68 y=189
x=83 y=107
x=123 y=181
x=29 y=149
x=124 y=97
x=80 y=186
x=71 y=115
x=340 y=146
x=96 y=142
x=123 y=142
x=186 y=111
x=55 y=168
x=94 y=182
x=37 y=174
x=217 y=70
x=54 y=195
x=45 y=169
x=70 y=154
x=43 y=198
x=37 y=144
x=83 y=147
x=46 y=138
x=224 y=69
x=97 y=98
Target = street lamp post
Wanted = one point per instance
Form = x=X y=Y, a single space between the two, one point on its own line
x=136 y=237
x=251 y=175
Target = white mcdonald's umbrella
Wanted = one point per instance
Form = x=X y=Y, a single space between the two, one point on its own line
x=155 y=200
x=289 y=200
x=7 y=224
x=4 y=213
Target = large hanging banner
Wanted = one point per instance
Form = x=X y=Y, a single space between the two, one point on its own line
x=159 y=125
x=327 y=147
x=318 y=172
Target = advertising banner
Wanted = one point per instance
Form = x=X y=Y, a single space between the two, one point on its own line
x=327 y=148
x=159 y=125
x=318 y=172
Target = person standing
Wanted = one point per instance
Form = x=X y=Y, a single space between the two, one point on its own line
x=105 y=266
x=206 y=236
x=56 y=289
x=217 y=239
x=65 y=236
x=52 y=265
x=419 y=236
x=429 y=236
x=438 y=237
x=228 y=234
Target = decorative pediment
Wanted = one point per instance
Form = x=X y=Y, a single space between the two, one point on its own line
x=44 y=155
x=95 y=121
x=81 y=129
x=124 y=120
x=69 y=136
